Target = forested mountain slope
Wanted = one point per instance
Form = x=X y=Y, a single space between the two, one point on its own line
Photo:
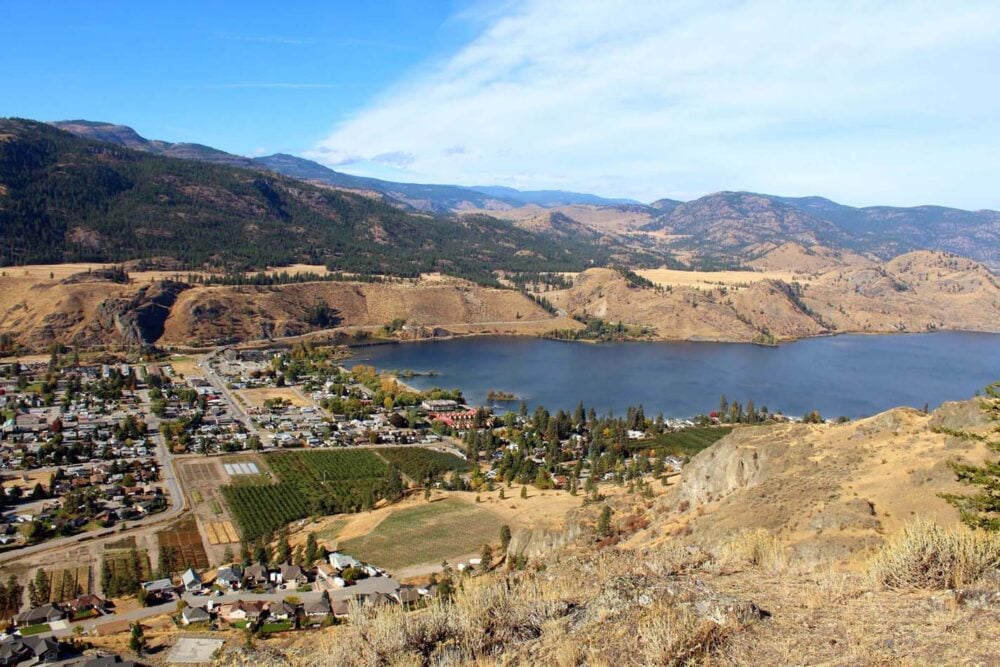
x=65 y=198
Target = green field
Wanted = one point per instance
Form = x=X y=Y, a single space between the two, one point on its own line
x=421 y=464
x=687 y=442
x=35 y=629
x=426 y=534
x=311 y=482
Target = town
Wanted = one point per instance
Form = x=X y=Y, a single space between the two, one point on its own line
x=176 y=479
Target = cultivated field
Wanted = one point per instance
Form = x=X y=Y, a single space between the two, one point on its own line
x=325 y=482
x=420 y=464
x=181 y=547
x=202 y=480
x=426 y=533
x=688 y=442
x=67 y=583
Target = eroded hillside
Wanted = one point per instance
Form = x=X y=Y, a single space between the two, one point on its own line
x=917 y=292
x=828 y=293
x=91 y=311
x=767 y=551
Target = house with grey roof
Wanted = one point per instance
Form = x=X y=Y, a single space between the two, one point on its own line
x=191 y=581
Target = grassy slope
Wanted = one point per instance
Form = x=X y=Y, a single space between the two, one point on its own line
x=426 y=534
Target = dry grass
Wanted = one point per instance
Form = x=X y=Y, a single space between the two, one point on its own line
x=928 y=556
x=712 y=279
x=754 y=548
x=256 y=397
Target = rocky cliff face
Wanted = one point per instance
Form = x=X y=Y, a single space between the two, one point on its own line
x=829 y=491
x=139 y=319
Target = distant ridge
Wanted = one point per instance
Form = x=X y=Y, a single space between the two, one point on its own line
x=422 y=197
x=722 y=228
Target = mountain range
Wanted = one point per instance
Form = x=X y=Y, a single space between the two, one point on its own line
x=727 y=228
x=67 y=198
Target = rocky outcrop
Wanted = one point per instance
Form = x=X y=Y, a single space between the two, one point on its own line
x=741 y=460
x=139 y=318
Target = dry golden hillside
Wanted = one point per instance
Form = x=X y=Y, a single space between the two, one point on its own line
x=919 y=291
x=798 y=258
x=247 y=313
x=602 y=219
x=769 y=551
x=828 y=492
x=84 y=310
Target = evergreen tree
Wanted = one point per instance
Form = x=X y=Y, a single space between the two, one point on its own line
x=38 y=590
x=982 y=509
x=505 y=537
x=312 y=550
x=137 y=642
x=604 y=522
x=284 y=549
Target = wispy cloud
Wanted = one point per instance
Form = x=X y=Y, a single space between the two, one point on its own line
x=868 y=102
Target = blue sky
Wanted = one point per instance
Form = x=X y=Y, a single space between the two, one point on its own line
x=894 y=102
x=242 y=76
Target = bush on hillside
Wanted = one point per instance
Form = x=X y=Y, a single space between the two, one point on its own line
x=928 y=556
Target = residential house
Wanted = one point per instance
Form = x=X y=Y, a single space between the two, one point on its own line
x=408 y=595
x=28 y=650
x=228 y=577
x=292 y=574
x=318 y=610
x=255 y=610
x=85 y=604
x=47 y=613
x=191 y=615
x=231 y=613
x=191 y=581
x=342 y=561
x=160 y=589
x=282 y=611
x=255 y=575
x=340 y=608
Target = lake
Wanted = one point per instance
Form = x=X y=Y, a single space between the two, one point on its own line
x=851 y=375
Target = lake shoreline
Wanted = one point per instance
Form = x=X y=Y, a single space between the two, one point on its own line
x=656 y=339
x=851 y=375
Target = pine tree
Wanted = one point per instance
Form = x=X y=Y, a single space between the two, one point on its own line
x=504 y=537
x=604 y=522
x=486 y=556
x=312 y=550
x=981 y=509
x=284 y=550
x=38 y=590
x=137 y=642
x=524 y=491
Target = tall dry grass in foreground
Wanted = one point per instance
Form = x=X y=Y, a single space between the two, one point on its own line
x=928 y=556
x=755 y=548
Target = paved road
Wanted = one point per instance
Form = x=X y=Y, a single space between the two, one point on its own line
x=213 y=377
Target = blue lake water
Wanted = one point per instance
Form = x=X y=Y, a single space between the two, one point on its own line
x=852 y=375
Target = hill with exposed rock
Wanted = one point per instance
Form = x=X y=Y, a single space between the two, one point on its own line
x=770 y=549
x=917 y=292
x=836 y=293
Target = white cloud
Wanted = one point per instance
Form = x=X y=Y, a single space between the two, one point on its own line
x=887 y=102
